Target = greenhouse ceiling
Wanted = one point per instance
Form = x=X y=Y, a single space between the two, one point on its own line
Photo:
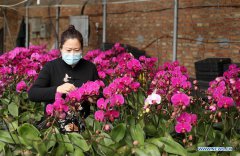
x=61 y=3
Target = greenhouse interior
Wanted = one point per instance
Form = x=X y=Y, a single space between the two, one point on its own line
x=120 y=77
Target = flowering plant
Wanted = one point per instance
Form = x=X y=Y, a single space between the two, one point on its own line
x=137 y=109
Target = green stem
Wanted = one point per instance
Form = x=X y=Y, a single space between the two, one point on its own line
x=12 y=136
x=206 y=135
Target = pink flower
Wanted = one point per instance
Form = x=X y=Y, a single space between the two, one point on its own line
x=184 y=117
x=74 y=95
x=180 y=99
x=153 y=99
x=102 y=104
x=101 y=74
x=60 y=106
x=117 y=100
x=135 y=85
x=225 y=102
x=193 y=119
x=31 y=73
x=134 y=64
x=183 y=127
x=35 y=56
x=49 y=109
x=99 y=115
x=213 y=108
x=112 y=114
x=58 y=96
x=21 y=86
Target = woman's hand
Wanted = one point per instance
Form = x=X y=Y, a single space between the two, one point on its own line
x=65 y=88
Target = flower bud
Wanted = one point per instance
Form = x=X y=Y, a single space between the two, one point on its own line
x=190 y=137
x=195 y=88
x=219 y=114
x=173 y=114
x=147 y=110
x=183 y=107
x=159 y=107
x=195 y=82
x=211 y=116
x=184 y=141
x=135 y=142
x=98 y=132
x=106 y=127
x=48 y=124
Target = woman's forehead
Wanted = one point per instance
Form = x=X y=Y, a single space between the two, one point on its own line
x=72 y=43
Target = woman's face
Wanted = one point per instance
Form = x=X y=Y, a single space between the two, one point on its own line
x=71 y=45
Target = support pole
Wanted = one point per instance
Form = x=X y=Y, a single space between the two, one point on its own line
x=175 y=30
x=104 y=20
x=57 y=28
x=27 y=21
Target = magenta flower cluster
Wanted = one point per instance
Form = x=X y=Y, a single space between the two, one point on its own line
x=74 y=99
x=185 y=122
x=170 y=78
x=23 y=64
x=117 y=62
x=88 y=89
x=58 y=108
x=114 y=97
x=224 y=92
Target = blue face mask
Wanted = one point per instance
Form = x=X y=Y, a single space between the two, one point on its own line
x=71 y=58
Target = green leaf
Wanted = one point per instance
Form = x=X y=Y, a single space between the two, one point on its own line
x=67 y=143
x=29 y=133
x=13 y=125
x=107 y=139
x=40 y=147
x=118 y=132
x=137 y=133
x=13 y=109
x=78 y=141
x=124 y=150
x=151 y=149
x=150 y=129
x=6 y=137
x=78 y=152
x=97 y=126
x=1 y=146
x=131 y=120
x=156 y=142
x=203 y=144
x=140 y=152
x=24 y=117
x=89 y=121
x=51 y=139
x=172 y=146
x=60 y=150
x=5 y=101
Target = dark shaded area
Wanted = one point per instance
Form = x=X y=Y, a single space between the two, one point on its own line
x=135 y=51
x=1 y=41
x=20 y=41
x=210 y=68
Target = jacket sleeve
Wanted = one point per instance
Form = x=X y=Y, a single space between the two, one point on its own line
x=95 y=73
x=41 y=91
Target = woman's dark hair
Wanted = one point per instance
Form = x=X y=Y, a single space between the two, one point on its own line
x=71 y=33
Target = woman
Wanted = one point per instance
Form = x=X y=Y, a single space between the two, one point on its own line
x=66 y=73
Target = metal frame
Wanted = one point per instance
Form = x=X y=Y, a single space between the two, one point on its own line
x=28 y=4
